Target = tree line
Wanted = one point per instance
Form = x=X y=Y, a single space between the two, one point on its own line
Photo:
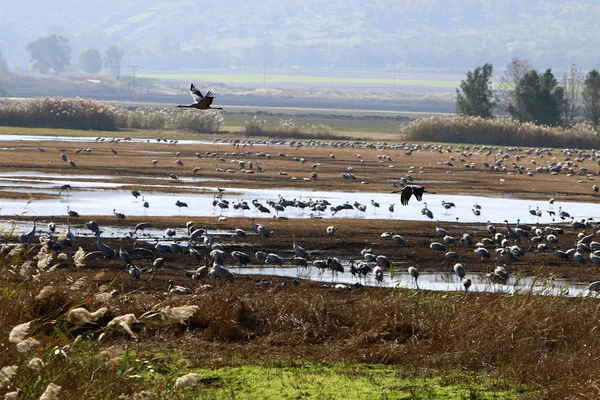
x=54 y=53
x=528 y=95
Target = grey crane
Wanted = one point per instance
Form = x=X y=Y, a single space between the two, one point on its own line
x=399 y=240
x=299 y=250
x=383 y=262
x=334 y=265
x=118 y=214
x=157 y=264
x=93 y=226
x=427 y=212
x=242 y=257
x=27 y=236
x=141 y=251
x=72 y=213
x=466 y=283
x=134 y=271
x=299 y=261
x=142 y=226
x=180 y=204
x=459 y=269
x=594 y=287
x=200 y=102
x=220 y=272
x=437 y=246
x=414 y=273
x=514 y=235
x=51 y=226
x=273 y=258
x=218 y=256
x=64 y=187
x=107 y=251
x=331 y=230
x=123 y=254
x=175 y=289
x=378 y=272
x=407 y=191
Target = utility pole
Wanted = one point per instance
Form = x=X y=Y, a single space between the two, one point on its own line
x=133 y=67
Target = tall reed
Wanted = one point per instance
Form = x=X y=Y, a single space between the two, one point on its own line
x=500 y=131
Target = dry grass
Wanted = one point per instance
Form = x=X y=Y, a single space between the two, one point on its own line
x=287 y=128
x=501 y=131
x=78 y=113
x=549 y=344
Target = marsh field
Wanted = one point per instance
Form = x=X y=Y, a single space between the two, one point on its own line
x=308 y=332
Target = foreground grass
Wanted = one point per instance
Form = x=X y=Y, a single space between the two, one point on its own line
x=348 y=381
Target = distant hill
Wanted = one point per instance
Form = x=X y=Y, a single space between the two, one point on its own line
x=424 y=34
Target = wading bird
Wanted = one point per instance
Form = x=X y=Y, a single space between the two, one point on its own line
x=200 y=102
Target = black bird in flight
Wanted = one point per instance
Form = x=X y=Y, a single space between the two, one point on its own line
x=200 y=102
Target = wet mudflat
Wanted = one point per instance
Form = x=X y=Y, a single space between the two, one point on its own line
x=359 y=173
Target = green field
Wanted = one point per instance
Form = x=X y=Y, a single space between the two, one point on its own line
x=306 y=79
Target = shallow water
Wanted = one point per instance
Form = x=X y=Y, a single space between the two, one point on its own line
x=85 y=139
x=436 y=281
x=92 y=198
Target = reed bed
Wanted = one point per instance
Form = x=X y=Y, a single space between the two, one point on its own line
x=287 y=128
x=501 y=131
x=88 y=114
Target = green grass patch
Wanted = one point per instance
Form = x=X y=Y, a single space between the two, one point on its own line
x=338 y=124
x=346 y=381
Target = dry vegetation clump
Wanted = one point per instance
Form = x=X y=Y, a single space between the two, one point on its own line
x=186 y=120
x=59 y=112
x=88 y=114
x=501 y=131
x=287 y=128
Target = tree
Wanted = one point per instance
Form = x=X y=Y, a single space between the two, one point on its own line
x=506 y=95
x=50 y=52
x=113 y=58
x=90 y=61
x=540 y=99
x=475 y=96
x=572 y=84
x=591 y=97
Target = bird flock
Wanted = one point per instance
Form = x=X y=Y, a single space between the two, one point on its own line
x=500 y=245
